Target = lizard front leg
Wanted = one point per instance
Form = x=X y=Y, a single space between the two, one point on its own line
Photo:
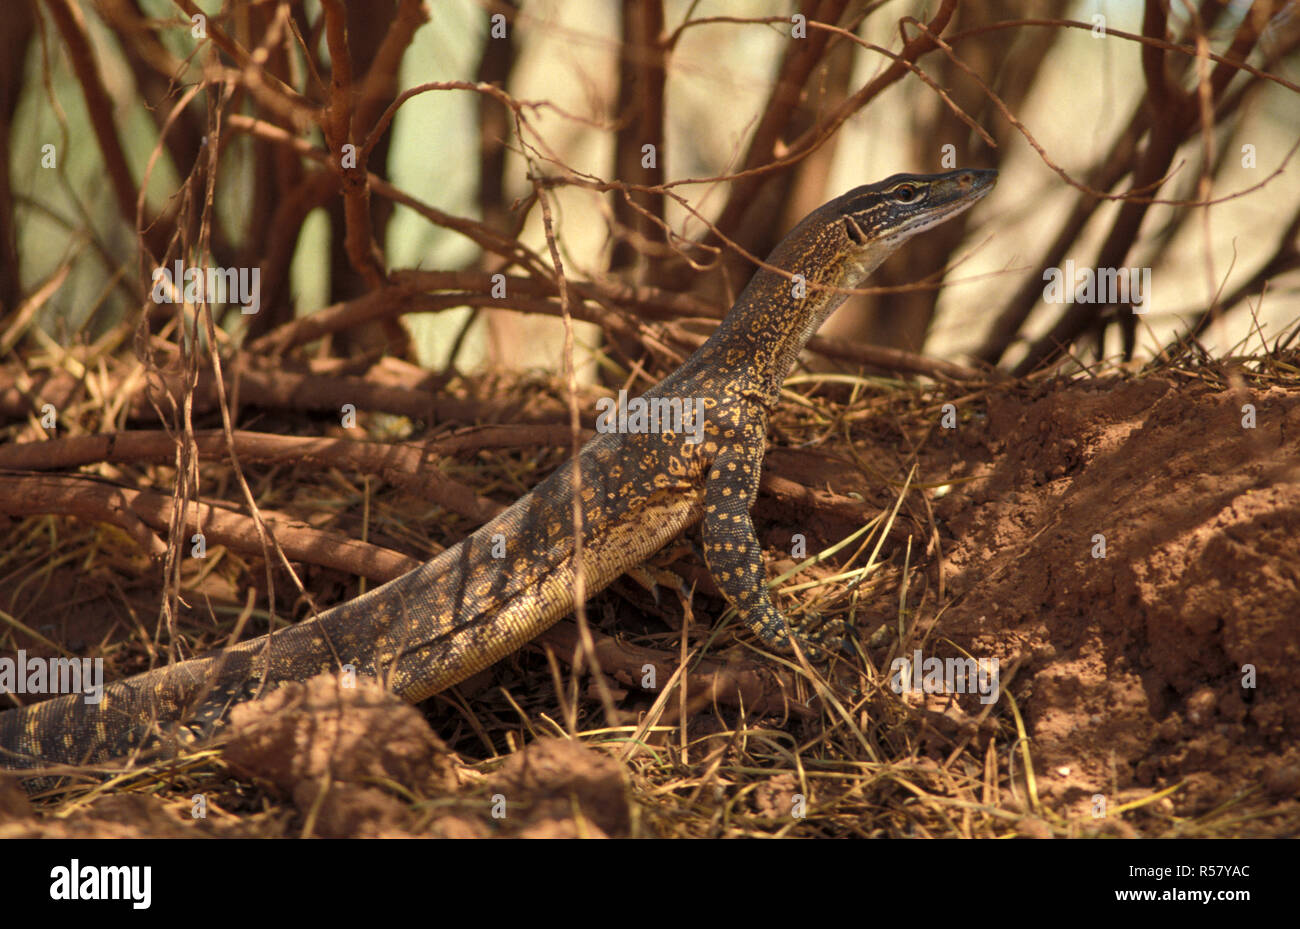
x=731 y=548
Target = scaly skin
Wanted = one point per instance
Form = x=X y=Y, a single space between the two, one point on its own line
x=466 y=609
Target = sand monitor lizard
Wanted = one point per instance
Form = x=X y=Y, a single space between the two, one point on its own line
x=511 y=579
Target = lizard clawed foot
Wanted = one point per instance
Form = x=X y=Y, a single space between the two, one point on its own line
x=824 y=641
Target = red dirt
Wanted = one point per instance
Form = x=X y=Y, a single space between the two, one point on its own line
x=1136 y=666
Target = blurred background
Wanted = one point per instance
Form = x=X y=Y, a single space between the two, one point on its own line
x=676 y=139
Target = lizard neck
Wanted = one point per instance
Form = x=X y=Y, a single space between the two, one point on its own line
x=760 y=338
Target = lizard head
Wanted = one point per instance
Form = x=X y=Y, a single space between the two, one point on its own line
x=829 y=253
x=877 y=218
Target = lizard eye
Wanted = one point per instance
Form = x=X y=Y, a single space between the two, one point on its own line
x=907 y=193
